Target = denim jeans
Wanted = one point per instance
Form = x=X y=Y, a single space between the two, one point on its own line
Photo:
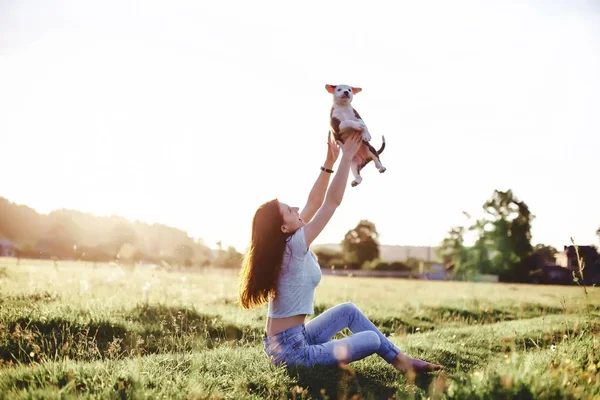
x=310 y=343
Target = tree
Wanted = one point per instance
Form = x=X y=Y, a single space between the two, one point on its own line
x=361 y=244
x=127 y=253
x=184 y=254
x=467 y=261
x=509 y=233
x=122 y=233
x=503 y=242
x=546 y=254
x=59 y=241
x=452 y=245
x=230 y=258
x=478 y=258
x=202 y=253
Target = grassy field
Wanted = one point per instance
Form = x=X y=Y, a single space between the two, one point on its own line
x=77 y=330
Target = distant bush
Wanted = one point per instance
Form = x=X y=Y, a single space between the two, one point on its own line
x=375 y=265
x=334 y=259
x=399 y=266
x=327 y=257
x=381 y=265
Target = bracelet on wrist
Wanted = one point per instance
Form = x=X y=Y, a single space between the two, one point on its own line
x=329 y=171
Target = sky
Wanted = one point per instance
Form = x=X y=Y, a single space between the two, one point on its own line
x=193 y=113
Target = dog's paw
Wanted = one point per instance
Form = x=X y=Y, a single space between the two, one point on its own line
x=354 y=125
x=366 y=137
x=354 y=183
x=382 y=170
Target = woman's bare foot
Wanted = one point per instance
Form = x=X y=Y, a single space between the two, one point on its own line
x=424 y=366
x=408 y=364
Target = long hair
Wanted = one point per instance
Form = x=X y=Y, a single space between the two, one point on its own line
x=262 y=262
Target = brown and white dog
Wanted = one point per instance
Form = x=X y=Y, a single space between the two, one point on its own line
x=343 y=120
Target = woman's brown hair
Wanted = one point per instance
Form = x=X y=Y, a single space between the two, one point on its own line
x=262 y=261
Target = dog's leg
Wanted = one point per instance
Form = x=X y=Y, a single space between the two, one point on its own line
x=351 y=124
x=365 y=132
x=375 y=158
x=355 y=172
x=379 y=165
x=366 y=136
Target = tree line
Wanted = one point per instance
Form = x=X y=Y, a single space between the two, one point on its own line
x=74 y=235
x=502 y=246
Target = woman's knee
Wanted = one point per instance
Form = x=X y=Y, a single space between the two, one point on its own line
x=371 y=339
x=364 y=344
x=349 y=307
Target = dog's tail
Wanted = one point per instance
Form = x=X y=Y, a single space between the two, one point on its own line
x=382 y=145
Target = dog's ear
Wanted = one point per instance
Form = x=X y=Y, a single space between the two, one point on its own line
x=330 y=88
x=356 y=90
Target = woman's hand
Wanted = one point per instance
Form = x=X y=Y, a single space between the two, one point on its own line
x=351 y=146
x=333 y=151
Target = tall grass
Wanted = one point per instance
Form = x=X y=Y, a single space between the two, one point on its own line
x=580 y=280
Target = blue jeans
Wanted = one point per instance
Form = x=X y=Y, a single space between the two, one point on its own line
x=310 y=344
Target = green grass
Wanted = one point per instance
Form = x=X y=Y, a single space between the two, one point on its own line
x=85 y=331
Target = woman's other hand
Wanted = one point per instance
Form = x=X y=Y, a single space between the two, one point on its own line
x=351 y=146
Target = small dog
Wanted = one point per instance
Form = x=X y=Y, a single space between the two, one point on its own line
x=343 y=120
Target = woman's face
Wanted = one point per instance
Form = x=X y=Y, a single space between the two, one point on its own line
x=291 y=218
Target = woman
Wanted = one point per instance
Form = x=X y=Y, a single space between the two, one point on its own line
x=280 y=269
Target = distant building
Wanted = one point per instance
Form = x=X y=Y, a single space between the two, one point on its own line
x=568 y=261
x=7 y=248
x=568 y=258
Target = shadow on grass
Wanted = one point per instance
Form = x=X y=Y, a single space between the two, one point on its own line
x=458 y=361
x=26 y=300
x=429 y=318
x=491 y=315
x=145 y=329
x=340 y=383
x=346 y=382
x=26 y=340
x=175 y=321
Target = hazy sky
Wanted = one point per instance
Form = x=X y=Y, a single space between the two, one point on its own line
x=193 y=113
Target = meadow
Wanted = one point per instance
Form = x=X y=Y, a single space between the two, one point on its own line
x=81 y=330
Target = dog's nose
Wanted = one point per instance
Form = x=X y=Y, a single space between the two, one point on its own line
x=345 y=92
